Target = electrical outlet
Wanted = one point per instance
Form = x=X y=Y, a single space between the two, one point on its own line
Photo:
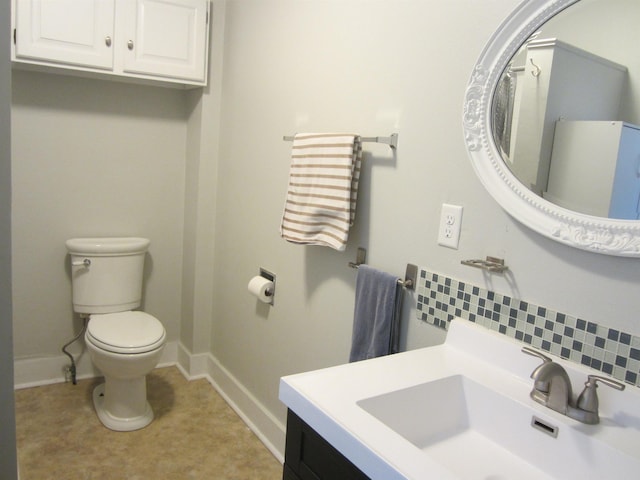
x=450 y=224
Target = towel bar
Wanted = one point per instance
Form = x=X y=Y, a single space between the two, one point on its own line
x=410 y=275
x=391 y=140
x=491 y=264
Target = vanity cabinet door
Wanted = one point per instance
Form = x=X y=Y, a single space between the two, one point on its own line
x=165 y=38
x=70 y=32
x=308 y=456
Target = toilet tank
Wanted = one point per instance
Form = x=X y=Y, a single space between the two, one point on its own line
x=106 y=273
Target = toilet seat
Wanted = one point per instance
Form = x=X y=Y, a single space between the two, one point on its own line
x=126 y=332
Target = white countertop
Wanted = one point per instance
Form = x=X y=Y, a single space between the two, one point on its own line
x=327 y=399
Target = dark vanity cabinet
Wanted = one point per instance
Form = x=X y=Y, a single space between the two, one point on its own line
x=308 y=456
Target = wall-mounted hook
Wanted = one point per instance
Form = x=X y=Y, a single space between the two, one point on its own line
x=536 y=69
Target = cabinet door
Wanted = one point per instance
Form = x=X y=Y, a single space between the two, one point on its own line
x=73 y=32
x=165 y=38
x=583 y=165
x=625 y=195
x=308 y=456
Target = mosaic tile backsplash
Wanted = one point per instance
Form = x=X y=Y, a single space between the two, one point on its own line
x=441 y=298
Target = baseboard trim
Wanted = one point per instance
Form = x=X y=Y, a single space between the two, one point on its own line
x=263 y=423
x=38 y=371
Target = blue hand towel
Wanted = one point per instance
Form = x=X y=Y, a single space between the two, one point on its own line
x=376 y=314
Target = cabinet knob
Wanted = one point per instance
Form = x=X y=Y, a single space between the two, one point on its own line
x=130 y=44
x=107 y=41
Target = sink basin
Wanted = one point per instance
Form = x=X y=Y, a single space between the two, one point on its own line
x=461 y=410
x=501 y=438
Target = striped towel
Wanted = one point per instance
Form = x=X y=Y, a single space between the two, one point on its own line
x=323 y=186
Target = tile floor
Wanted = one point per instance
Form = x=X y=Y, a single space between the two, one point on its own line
x=195 y=435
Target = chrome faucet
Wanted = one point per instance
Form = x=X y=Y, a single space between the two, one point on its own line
x=552 y=388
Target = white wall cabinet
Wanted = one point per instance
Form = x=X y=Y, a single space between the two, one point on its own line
x=558 y=81
x=45 y=30
x=165 y=37
x=595 y=168
x=163 y=40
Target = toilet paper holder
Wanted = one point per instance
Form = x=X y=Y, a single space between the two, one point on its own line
x=272 y=278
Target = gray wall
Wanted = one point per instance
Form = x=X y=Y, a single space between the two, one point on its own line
x=373 y=67
x=92 y=158
x=7 y=417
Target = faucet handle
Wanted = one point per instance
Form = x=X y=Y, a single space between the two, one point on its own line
x=535 y=353
x=588 y=399
x=539 y=385
x=609 y=381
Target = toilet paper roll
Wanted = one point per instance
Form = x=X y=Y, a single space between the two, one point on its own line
x=261 y=288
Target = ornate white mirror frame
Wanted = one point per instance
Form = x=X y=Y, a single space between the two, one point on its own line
x=595 y=234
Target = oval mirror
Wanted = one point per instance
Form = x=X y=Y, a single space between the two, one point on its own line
x=551 y=121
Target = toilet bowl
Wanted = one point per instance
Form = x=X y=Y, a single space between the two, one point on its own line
x=125 y=347
x=125 y=344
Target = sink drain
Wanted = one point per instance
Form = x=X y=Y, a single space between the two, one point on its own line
x=544 y=427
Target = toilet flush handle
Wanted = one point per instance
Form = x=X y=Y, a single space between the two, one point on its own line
x=85 y=262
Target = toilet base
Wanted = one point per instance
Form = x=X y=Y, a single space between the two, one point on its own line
x=116 y=423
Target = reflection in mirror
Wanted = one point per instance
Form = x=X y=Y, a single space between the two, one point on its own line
x=566 y=108
x=607 y=31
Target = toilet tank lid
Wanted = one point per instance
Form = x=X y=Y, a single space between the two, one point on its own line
x=128 y=330
x=107 y=245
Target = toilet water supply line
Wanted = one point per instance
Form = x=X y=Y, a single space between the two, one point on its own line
x=72 y=369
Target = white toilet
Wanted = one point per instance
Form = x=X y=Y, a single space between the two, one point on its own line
x=125 y=345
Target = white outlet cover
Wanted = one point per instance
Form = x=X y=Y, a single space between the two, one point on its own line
x=450 y=225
